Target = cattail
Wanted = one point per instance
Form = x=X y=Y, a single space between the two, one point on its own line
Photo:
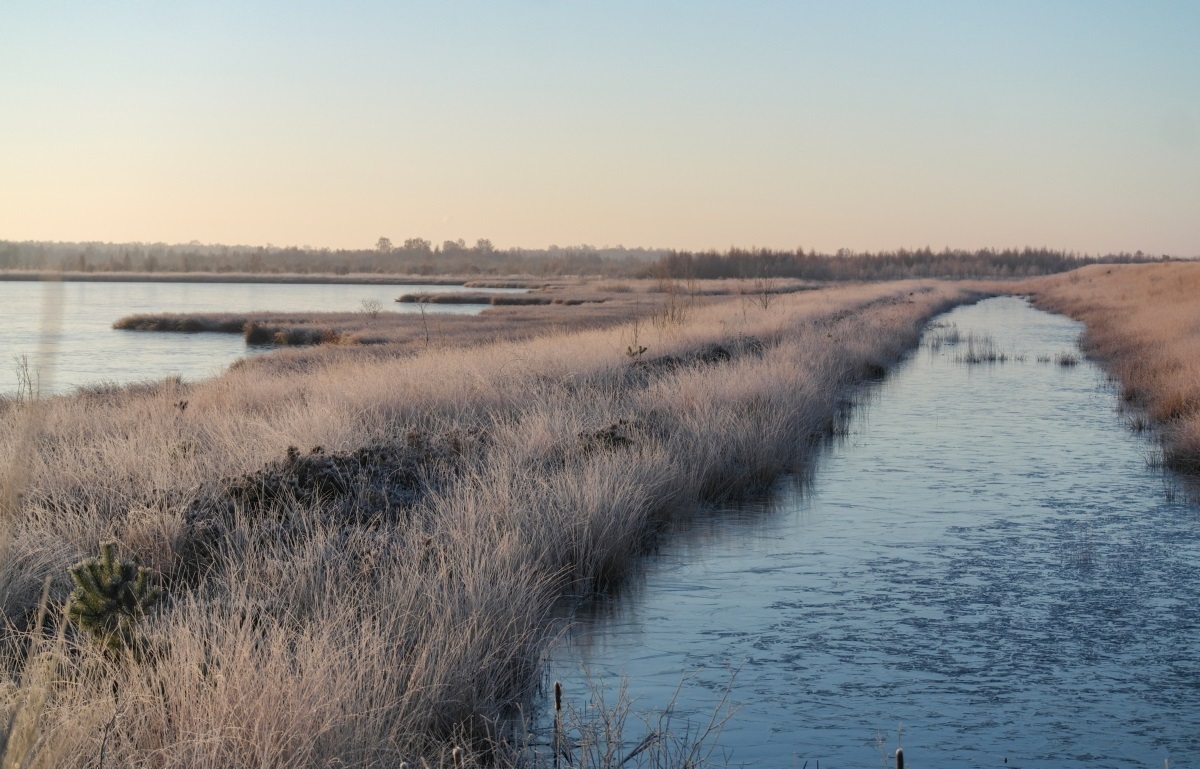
x=557 y=697
x=899 y=758
x=457 y=756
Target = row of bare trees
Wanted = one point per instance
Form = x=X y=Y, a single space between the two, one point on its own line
x=885 y=265
x=417 y=256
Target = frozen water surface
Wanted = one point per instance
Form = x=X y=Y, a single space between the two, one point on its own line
x=986 y=559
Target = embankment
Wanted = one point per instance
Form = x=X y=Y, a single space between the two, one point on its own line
x=1143 y=324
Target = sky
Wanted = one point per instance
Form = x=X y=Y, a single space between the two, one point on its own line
x=696 y=125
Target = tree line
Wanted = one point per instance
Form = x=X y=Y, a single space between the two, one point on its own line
x=884 y=265
x=417 y=256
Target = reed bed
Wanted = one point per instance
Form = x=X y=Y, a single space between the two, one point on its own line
x=1143 y=324
x=361 y=556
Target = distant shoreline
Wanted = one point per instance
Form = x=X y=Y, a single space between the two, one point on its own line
x=250 y=277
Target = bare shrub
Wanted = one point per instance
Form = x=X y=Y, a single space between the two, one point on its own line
x=766 y=287
x=674 y=308
x=372 y=308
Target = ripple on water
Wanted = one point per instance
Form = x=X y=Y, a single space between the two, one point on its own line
x=986 y=559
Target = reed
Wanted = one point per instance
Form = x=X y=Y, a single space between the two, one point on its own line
x=941 y=335
x=979 y=348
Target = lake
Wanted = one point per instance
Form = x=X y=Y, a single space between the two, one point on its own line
x=986 y=561
x=72 y=322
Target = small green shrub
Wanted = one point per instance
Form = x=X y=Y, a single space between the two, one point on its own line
x=110 y=596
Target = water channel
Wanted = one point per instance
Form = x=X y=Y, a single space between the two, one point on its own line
x=76 y=319
x=985 y=560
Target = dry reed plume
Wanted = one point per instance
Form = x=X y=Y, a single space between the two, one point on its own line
x=360 y=556
x=1143 y=323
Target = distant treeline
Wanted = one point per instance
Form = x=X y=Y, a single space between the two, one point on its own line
x=414 y=257
x=420 y=257
x=885 y=265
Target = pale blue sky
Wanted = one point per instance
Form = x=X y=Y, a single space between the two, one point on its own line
x=694 y=125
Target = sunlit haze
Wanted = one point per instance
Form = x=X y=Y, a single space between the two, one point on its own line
x=1072 y=125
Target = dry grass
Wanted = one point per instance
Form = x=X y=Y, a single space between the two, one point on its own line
x=1143 y=323
x=389 y=594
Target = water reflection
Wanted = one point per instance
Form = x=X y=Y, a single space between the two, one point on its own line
x=985 y=558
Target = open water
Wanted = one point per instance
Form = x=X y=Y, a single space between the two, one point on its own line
x=64 y=329
x=985 y=569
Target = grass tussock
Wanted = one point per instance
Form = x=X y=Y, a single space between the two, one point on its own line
x=979 y=348
x=1143 y=324
x=360 y=556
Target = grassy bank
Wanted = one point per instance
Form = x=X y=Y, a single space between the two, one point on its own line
x=360 y=555
x=1143 y=323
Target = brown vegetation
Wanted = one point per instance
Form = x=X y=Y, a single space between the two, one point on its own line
x=465 y=297
x=361 y=555
x=1143 y=323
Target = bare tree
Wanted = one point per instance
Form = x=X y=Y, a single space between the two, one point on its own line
x=766 y=288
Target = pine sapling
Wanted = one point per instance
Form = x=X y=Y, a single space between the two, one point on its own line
x=110 y=595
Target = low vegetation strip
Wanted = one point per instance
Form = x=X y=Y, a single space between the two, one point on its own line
x=183 y=323
x=401 y=331
x=509 y=317
x=1143 y=323
x=359 y=558
x=460 y=297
